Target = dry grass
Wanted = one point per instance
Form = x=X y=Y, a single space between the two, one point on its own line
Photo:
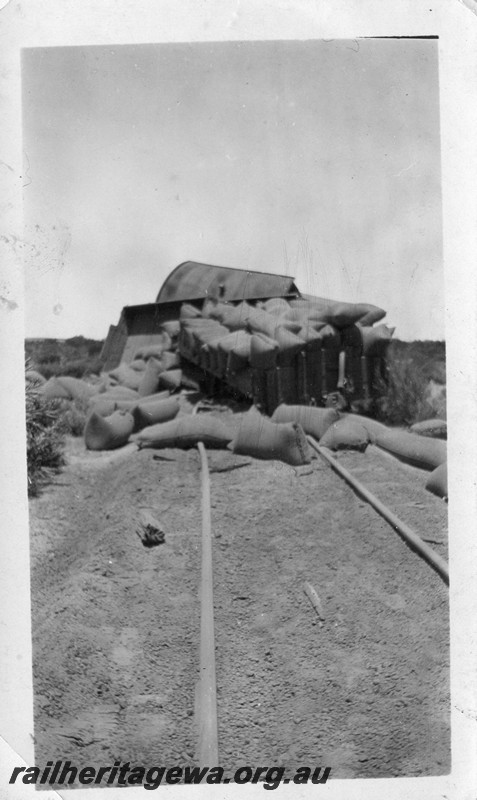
x=405 y=397
x=45 y=443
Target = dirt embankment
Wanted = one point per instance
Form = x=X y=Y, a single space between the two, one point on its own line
x=115 y=624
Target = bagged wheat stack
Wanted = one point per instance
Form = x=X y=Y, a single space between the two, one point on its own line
x=260 y=321
x=265 y=440
x=212 y=333
x=108 y=433
x=337 y=313
x=234 y=351
x=413 y=449
x=212 y=308
x=437 y=481
x=170 y=360
x=186 y=432
x=288 y=344
x=171 y=379
x=331 y=337
x=376 y=340
x=153 y=412
x=189 y=311
x=150 y=377
x=436 y=428
x=138 y=365
x=162 y=342
x=235 y=318
x=346 y=434
x=294 y=326
x=314 y=421
x=320 y=308
x=263 y=351
x=311 y=334
x=172 y=328
x=276 y=306
x=371 y=314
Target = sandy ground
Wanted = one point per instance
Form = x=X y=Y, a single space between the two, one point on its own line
x=115 y=625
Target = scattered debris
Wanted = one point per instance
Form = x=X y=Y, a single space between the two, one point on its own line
x=314 y=599
x=149 y=530
x=230 y=467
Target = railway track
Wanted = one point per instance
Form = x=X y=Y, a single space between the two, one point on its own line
x=206 y=701
x=359 y=684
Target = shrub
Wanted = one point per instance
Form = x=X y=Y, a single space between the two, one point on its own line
x=403 y=396
x=73 y=415
x=44 y=439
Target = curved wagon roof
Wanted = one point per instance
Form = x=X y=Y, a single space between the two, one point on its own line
x=194 y=281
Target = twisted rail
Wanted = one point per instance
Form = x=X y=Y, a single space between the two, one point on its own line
x=208 y=748
x=406 y=533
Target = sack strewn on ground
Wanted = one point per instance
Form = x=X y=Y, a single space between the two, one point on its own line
x=150 y=377
x=78 y=389
x=186 y=432
x=314 y=421
x=154 y=412
x=373 y=427
x=102 y=405
x=436 y=428
x=162 y=342
x=126 y=376
x=419 y=451
x=151 y=398
x=437 y=481
x=346 y=434
x=108 y=433
x=53 y=388
x=121 y=392
x=265 y=440
x=32 y=376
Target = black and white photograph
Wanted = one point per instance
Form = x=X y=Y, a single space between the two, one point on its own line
x=237 y=391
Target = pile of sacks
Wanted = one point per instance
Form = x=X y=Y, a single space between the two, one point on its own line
x=283 y=437
x=137 y=395
x=129 y=397
x=228 y=338
x=125 y=405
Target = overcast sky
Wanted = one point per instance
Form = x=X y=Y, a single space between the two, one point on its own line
x=318 y=159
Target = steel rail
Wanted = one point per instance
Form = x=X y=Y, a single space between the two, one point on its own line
x=208 y=748
x=406 y=533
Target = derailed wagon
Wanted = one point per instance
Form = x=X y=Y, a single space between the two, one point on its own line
x=258 y=335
